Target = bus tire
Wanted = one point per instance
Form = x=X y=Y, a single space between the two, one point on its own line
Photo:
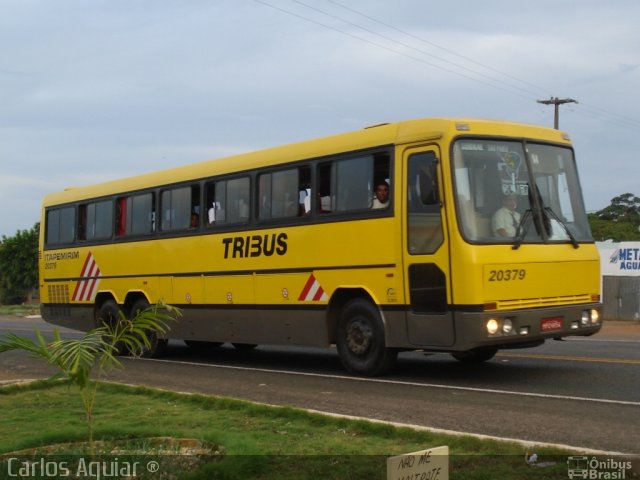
x=109 y=314
x=244 y=347
x=478 y=355
x=361 y=340
x=158 y=346
x=201 y=345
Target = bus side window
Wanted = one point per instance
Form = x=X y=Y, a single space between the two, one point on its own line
x=175 y=207
x=143 y=215
x=53 y=226
x=423 y=206
x=238 y=200
x=350 y=194
x=282 y=194
x=135 y=215
x=61 y=225
x=180 y=208
x=227 y=201
x=100 y=220
x=347 y=185
x=95 y=220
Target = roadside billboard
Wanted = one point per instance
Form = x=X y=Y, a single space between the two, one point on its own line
x=619 y=259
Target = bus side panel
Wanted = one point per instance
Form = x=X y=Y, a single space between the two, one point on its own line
x=76 y=317
x=253 y=324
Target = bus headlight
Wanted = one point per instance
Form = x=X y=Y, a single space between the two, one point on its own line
x=590 y=317
x=586 y=318
x=507 y=326
x=492 y=326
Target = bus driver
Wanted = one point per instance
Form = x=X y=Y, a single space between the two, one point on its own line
x=505 y=221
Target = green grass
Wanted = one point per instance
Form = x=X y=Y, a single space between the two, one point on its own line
x=259 y=442
x=19 y=310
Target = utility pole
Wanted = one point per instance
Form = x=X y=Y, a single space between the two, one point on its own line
x=557 y=102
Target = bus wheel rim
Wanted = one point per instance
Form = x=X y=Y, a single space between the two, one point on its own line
x=359 y=336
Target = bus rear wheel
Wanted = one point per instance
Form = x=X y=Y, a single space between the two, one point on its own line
x=109 y=314
x=361 y=340
x=158 y=346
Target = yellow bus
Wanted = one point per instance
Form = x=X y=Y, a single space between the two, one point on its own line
x=442 y=235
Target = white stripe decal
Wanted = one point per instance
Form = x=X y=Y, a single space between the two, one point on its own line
x=89 y=280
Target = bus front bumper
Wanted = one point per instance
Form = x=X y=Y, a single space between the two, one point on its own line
x=523 y=328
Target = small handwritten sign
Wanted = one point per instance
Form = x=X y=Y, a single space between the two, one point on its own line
x=430 y=464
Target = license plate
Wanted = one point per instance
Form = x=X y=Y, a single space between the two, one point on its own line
x=551 y=324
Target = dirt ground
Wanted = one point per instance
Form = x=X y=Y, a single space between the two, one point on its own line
x=619 y=330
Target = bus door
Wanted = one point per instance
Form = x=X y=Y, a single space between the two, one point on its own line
x=426 y=266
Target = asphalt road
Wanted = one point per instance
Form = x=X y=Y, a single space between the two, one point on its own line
x=583 y=392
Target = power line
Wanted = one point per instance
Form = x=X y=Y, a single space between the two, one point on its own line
x=485 y=79
x=440 y=47
x=390 y=49
x=411 y=47
x=616 y=118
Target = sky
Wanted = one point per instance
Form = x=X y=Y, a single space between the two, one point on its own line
x=92 y=90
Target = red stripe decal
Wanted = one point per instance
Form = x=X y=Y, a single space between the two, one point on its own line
x=307 y=287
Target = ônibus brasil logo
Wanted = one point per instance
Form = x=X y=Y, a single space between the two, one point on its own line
x=597 y=469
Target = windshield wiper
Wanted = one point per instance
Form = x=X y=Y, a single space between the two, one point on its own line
x=555 y=216
x=522 y=229
x=524 y=224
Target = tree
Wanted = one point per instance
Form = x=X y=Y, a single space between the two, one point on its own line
x=623 y=208
x=611 y=230
x=19 y=265
x=96 y=351
x=619 y=221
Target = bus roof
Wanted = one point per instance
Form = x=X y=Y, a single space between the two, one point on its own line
x=403 y=132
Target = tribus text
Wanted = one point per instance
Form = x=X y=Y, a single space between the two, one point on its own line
x=255 y=245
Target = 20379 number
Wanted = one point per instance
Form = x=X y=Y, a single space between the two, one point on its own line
x=507 y=275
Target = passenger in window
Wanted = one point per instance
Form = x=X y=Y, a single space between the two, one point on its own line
x=304 y=203
x=215 y=213
x=505 y=221
x=381 y=200
x=195 y=220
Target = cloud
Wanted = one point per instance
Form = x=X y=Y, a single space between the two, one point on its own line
x=98 y=90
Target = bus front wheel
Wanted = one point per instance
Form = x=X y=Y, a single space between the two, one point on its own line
x=361 y=340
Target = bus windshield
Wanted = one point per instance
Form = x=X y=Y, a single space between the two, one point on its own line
x=518 y=192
